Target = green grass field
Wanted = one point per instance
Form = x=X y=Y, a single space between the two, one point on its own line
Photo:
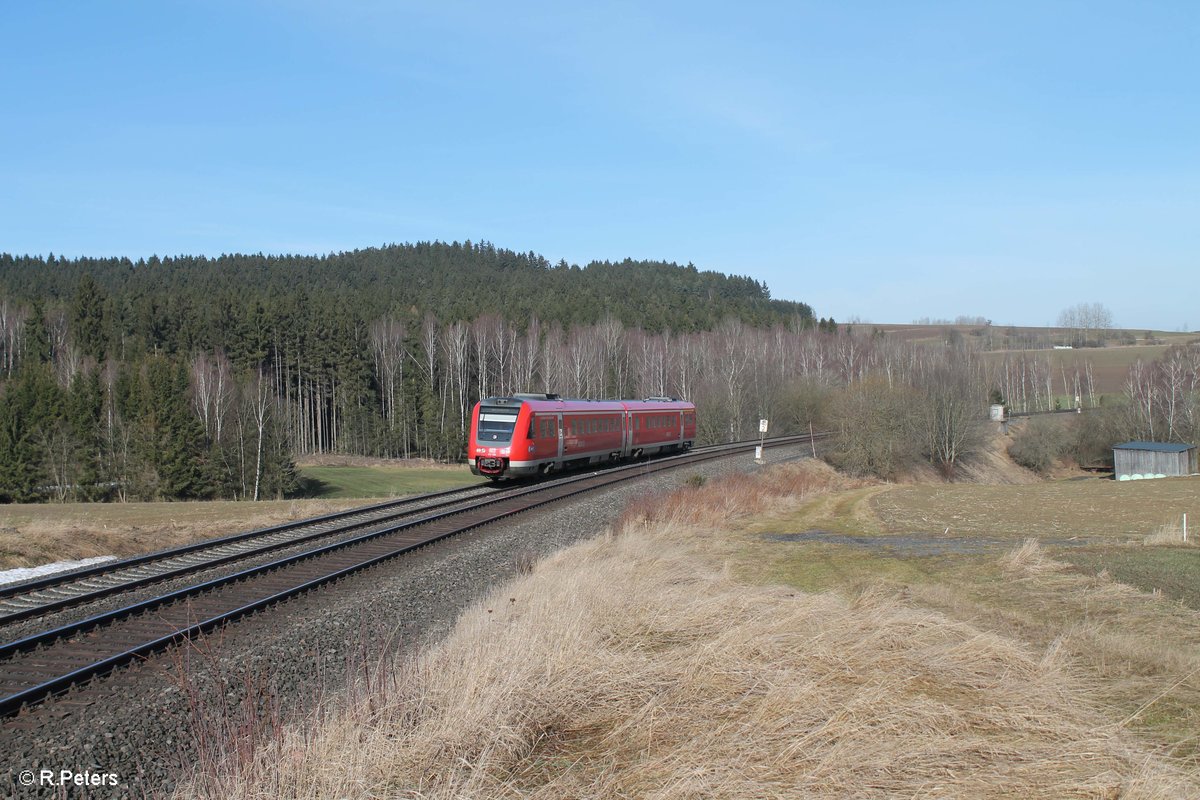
x=1172 y=571
x=333 y=482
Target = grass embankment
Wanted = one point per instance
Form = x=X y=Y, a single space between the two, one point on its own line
x=32 y=534
x=684 y=656
x=39 y=533
x=330 y=482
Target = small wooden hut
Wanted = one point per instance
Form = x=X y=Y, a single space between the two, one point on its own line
x=1138 y=460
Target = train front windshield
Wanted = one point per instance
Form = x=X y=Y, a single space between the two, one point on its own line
x=496 y=424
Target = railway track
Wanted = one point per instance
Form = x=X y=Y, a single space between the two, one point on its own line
x=53 y=660
x=26 y=599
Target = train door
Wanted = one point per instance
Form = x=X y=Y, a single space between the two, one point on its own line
x=559 y=416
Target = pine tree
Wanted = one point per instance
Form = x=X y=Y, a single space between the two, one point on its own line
x=87 y=317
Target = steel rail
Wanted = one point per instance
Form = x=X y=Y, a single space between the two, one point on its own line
x=371 y=516
x=64 y=634
x=22 y=587
x=23 y=603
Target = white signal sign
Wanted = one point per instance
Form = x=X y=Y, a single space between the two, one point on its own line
x=762 y=426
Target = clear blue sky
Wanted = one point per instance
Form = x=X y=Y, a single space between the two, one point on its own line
x=885 y=160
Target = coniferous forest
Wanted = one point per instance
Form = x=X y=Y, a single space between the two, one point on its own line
x=192 y=377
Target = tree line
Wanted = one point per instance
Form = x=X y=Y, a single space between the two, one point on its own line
x=115 y=393
x=182 y=378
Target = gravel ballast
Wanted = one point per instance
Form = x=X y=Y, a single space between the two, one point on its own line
x=145 y=724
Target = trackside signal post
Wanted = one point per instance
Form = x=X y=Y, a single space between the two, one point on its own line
x=762 y=433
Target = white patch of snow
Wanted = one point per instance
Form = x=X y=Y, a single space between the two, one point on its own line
x=28 y=573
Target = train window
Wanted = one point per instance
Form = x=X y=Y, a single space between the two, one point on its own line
x=496 y=424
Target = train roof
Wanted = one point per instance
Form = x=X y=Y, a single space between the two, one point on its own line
x=549 y=402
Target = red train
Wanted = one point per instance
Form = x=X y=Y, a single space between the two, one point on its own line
x=531 y=434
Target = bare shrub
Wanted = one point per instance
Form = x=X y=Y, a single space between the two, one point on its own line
x=876 y=431
x=1040 y=443
x=229 y=721
x=951 y=415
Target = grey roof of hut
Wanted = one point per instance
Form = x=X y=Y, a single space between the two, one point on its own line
x=1157 y=447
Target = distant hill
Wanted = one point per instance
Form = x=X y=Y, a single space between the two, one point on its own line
x=452 y=281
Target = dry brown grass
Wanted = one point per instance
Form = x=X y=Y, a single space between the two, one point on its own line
x=1171 y=533
x=737 y=496
x=1140 y=651
x=1095 y=509
x=39 y=533
x=1133 y=644
x=1029 y=560
x=635 y=666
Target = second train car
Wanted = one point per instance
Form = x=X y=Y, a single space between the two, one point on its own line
x=531 y=434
